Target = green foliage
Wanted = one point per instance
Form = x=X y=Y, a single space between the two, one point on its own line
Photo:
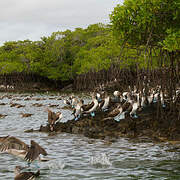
x=63 y=55
x=172 y=40
x=152 y=22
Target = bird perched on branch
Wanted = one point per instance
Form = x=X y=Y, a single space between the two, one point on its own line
x=53 y=118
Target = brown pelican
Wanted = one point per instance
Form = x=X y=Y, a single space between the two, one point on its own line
x=52 y=118
x=24 y=175
x=15 y=146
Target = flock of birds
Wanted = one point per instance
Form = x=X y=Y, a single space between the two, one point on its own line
x=119 y=105
x=124 y=104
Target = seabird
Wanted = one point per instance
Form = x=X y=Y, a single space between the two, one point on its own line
x=105 y=102
x=67 y=102
x=93 y=109
x=162 y=99
x=117 y=96
x=52 y=118
x=86 y=107
x=15 y=146
x=24 y=175
x=74 y=102
x=98 y=96
x=78 y=110
x=135 y=107
x=115 y=111
x=124 y=109
x=150 y=98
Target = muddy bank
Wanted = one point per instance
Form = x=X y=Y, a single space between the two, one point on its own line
x=147 y=124
x=28 y=82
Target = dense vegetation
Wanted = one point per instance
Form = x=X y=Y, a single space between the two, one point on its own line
x=139 y=23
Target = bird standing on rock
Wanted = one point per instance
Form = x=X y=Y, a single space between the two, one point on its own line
x=92 y=110
x=78 y=110
x=104 y=104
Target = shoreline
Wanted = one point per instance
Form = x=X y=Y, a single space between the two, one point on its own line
x=146 y=125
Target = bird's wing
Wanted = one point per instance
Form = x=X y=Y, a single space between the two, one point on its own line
x=55 y=117
x=86 y=107
x=13 y=143
x=50 y=116
x=101 y=104
x=25 y=176
x=3 y=138
x=114 y=113
x=34 y=151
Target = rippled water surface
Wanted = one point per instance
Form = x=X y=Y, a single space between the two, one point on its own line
x=75 y=157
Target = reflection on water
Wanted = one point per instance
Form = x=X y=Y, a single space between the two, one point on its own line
x=75 y=157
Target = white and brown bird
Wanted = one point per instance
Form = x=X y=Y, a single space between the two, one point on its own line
x=15 y=146
x=117 y=97
x=92 y=110
x=104 y=104
x=78 y=109
x=53 y=118
x=25 y=175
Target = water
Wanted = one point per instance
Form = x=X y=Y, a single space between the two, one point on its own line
x=76 y=157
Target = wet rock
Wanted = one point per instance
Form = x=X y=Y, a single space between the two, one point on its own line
x=29 y=131
x=146 y=128
x=3 y=115
x=26 y=114
x=2 y=104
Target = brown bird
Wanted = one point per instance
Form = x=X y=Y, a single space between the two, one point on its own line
x=15 y=146
x=24 y=175
x=52 y=118
x=115 y=111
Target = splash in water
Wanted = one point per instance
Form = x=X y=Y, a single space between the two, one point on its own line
x=54 y=165
x=100 y=159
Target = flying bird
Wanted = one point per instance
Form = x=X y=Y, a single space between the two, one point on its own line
x=53 y=118
x=15 y=146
